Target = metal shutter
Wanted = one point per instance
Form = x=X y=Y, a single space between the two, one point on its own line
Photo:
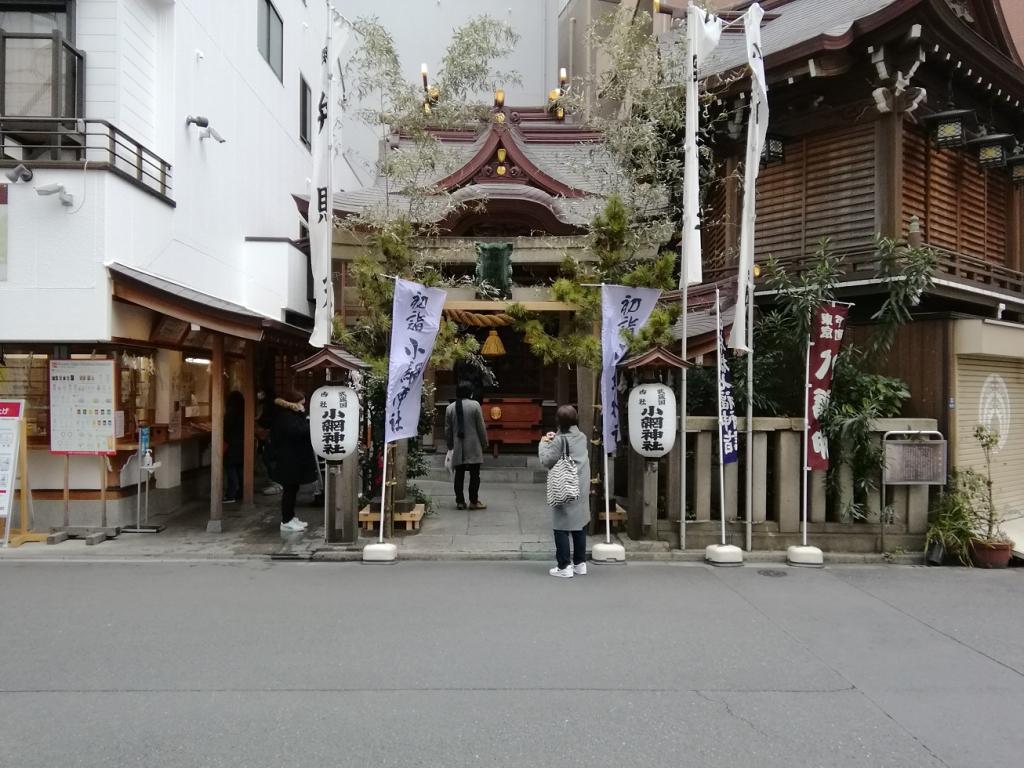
x=1004 y=405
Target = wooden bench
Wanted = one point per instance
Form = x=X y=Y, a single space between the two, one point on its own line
x=617 y=515
x=369 y=518
x=512 y=421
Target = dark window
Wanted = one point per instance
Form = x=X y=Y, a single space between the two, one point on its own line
x=305 y=111
x=40 y=70
x=270 y=36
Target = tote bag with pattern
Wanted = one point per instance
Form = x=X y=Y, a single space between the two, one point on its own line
x=563 y=479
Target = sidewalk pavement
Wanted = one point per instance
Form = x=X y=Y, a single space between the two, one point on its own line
x=515 y=526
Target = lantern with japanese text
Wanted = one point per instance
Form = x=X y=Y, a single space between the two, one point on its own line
x=334 y=422
x=652 y=419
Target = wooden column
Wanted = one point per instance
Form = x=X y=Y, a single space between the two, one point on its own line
x=703 y=472
x=585 y=388
x=216 y=524
x=562 y=382
x=889 y=175
x=635 y=513
x=733 y=210
x=1015 y=229
x=760 y=496
x=249 y=438
x=787 y=480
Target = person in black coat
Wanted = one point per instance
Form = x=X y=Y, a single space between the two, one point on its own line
x=294 y=460
x=234 y=445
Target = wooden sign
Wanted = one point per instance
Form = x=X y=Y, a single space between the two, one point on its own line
x=915 y=462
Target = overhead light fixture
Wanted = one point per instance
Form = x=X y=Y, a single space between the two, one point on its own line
x=66 y=198
x=197 y=361
x=1016 y=163
x=993 y=148
x=20 y=172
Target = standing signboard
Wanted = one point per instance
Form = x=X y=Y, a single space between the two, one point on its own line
x=11 y=415
x=82 y=408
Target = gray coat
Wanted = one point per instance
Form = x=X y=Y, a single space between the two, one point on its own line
x=575 y=515
x=470 y=449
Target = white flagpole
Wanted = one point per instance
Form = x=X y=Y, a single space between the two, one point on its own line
x=721 y=453
x=682 y=418
x=607 y=502
x=749 y=490
x=803 y=457
x=383 y=493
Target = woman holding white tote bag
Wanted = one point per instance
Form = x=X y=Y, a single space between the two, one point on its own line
x=570 y=501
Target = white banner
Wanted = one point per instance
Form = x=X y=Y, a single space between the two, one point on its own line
x=320 y=215
x=703 y=32
x=622 y=308
x=415 y=320
x=757 y=132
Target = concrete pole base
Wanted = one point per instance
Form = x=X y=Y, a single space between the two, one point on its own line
x=723 y=554
x=380 y=553
x=807 y=557
x=608 y=553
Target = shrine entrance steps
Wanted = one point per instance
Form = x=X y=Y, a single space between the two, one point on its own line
x=519 y=469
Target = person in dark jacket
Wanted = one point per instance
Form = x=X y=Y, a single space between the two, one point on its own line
x=234 y=445
x=466 y=436
x=294 y=460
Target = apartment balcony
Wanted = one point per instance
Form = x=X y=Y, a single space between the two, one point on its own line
x=42 y=122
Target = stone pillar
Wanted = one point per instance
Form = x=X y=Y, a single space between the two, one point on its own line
x=344 y=524
x=845 y=492
x=635 y=513
x=787 y=480
x=816 y=497
x=900 y=497
x=400 y=458
x=760 y=495
x=650 y=504
x=701 y=479
x=732 y=474
x=673 y=481
x=216 y=523
x=917 y=509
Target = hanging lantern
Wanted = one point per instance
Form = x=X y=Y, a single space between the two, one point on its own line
x=949 y=128
x=993 y=149
x=492 y=345
x=1016 y=163
x=334 y=422
x=774 y=150
x=652 y=420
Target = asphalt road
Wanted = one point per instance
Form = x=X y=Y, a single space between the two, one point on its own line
x=498 y=664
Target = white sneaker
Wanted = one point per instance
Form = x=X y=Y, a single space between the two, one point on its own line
x=580 y=569
x=292 y=526
x=302 y=523
x=562 y=573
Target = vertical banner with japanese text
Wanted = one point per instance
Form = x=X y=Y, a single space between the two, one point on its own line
x=727 y=432
x=828 y=326
x=622 y=308
x=415 y=320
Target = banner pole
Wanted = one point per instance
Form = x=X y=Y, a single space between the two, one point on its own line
x=607 y=503
x=383 y=493
x=721 y=453
x=803 y=457
x=749 y=490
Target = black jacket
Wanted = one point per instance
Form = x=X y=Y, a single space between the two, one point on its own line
x=294 y=462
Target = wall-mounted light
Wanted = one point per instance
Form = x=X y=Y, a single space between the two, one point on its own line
x=211 y=133
x=993 y=148
x=199 y=121
x=66 y=198
x=949 y=128
x=20 y=172
x=774 y=150
x=1016 y=163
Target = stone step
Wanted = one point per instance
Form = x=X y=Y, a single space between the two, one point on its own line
x=497 y=475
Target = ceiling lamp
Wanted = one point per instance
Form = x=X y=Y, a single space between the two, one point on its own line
x=993 y=149
x=949 y=128
x=492 y=345
x=1016 y=163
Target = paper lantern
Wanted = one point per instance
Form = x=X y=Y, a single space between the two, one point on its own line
x=652 y=420
x=334 y=422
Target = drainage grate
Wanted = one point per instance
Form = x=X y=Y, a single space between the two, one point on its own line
x=774 y=573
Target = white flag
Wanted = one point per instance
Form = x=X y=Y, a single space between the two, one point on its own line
x=703 y=32
x=757 y=133
x=415 y=319
x=622 y=308
x=320 y=215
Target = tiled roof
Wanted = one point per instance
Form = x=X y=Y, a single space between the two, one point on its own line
x=791 y=24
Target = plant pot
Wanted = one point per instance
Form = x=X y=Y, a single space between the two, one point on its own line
x=985 y=554
x=936 y=553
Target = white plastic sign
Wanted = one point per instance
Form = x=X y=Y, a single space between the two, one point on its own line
x=11 y=414
x=334 y=422
x=652 y=420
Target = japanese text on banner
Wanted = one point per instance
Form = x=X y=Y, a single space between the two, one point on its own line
x=415 y=319
x=627 y=309
x=828 y=326
x=727 y=431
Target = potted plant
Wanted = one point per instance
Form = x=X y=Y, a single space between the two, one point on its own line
x=990 y=548
x=954 y=519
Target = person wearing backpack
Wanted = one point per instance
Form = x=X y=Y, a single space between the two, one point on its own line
x=566 y=457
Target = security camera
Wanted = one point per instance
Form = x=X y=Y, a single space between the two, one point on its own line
x=210 y=133
x=66 y=198
x=199 y=121
x=19 y=173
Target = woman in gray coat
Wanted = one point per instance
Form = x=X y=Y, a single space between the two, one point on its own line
x=466 y=436
x=569 y=519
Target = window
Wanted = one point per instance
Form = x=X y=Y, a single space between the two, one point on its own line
x=270 y=36
x=305 y=111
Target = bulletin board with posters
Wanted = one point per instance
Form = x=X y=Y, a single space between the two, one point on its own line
x=82 y=407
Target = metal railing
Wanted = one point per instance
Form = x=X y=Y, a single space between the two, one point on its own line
x=41 y=75
x=64 y=143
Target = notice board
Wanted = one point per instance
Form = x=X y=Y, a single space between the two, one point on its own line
x=82 y=419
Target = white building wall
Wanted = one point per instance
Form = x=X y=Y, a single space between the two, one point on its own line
x=96 y=35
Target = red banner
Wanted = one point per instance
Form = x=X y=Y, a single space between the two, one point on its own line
x=828 y=326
